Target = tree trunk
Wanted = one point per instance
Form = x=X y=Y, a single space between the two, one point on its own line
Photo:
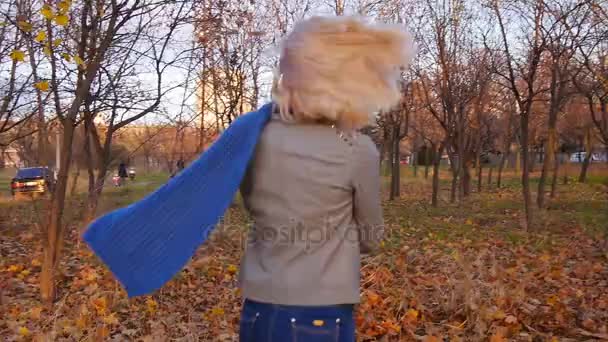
x=547 y=161
x=555 y=174
x=525 y=177
x=395 y=171
x=582 y=178
x=454 y=187
x=533 y=156
x=427 y=156
x=466 y=183
x=454 y=169
x=479 y=175
x=503 y=160
x=53 y=237
x=415 y=162
x=75 y=181
x=436 y=164
x=390 y=154
x=490 y=176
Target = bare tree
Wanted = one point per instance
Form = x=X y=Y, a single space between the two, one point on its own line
x=519 y=72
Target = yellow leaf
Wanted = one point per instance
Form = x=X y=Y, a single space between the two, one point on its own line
x=67 y=57
x=47 y=50
x=57 y=42
x=47 y=12
x=40 y=37
x=545 y=258
x=36 y=263
x=15 y=268
x=411 y=316
x=152 y=305
x=100 y=305
x=23 y=331
x=18 y=55
x=552 y=300
x=42 y=86
x=110 y=319
x=64 y=5
x=232 y=269
x=25 y=26
x=498 y=314
x=217 y=311
x=62 y=19
x=25 y=273
x=79 y=61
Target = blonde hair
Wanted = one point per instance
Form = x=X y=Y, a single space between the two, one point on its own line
x=340 y=70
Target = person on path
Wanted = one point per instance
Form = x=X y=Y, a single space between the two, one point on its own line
x=313 y=186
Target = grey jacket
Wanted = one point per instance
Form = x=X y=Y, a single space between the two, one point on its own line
x=314 y=197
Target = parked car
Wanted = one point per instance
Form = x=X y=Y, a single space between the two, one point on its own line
x=579 y=157
x=132 y=173
x=33 y=181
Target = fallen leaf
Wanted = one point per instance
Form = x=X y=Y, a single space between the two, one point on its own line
x=36 y=313
x=23 y=331
x=110 y=319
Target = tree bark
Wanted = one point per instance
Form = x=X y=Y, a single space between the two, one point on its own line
x=503 y=160
x=549 y=159
x=490 y=176
x=427 y=156
x=479 y=174
x=75 y=181
x=582 y=178
x=395 y=171
x=53 y=237
x=555 y=174
x=466 y=183
x=436 y=164
x=525 y=177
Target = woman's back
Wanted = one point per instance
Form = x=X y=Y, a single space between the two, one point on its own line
x=313 y=196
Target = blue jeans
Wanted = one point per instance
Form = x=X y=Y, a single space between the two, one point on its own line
x=262 y=322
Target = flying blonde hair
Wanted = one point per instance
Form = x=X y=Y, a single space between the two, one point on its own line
x=340 y=70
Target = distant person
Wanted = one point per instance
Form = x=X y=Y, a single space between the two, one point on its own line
x=122 y=171
x=313 y=186
x=180 y=164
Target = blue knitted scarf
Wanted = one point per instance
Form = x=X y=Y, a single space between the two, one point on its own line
x=148 y=242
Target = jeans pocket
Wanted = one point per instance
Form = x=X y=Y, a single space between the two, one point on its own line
x=315 y=330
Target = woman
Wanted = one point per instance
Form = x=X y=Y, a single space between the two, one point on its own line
x=313 y=187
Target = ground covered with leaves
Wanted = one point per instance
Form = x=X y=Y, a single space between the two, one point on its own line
x=455 y=273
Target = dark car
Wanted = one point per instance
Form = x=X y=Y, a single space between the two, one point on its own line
x=33 y=181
